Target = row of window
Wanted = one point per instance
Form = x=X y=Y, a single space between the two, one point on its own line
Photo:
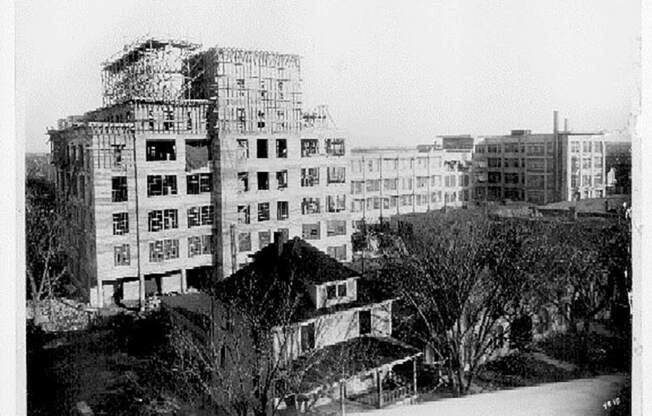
x=394 y=164
x=534 y=149
x=376 y=202
x=587 y=180
x=168 y=249
x=309 y=177
x=587 y=163
x=406 y=183
x=166 y=219
x=308 y=232
x=538 y=149
x=309 y=205
x=160 y=185
x=309 y=148
x=586 y=146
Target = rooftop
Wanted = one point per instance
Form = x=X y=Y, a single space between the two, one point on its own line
x=347 y=359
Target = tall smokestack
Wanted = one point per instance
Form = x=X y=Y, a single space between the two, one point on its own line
x=555 y=122
x=565 y=124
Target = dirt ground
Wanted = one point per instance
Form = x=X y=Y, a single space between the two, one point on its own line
x=582 y=397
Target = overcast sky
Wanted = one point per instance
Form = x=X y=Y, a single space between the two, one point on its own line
x=391 y=71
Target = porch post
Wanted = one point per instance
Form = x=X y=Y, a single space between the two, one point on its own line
x=414 y=374
x=379 y=388
x=184 y=281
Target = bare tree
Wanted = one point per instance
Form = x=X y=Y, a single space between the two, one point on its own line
x=460 y=279
x=44 y=250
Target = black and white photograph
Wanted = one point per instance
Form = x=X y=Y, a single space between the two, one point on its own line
x=286 y=208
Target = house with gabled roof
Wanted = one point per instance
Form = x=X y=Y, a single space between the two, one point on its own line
x=300 y=324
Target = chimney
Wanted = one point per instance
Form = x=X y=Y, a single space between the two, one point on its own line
x=555 y=122
x=279 y=240
x=566 y=125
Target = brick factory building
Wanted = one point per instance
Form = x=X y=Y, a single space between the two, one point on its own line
x=539 y=168
x=195 y=159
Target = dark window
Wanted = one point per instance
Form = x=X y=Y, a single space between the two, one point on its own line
x=159 y=150
x=243 y=214
x=163 y=219
x=207 y=215
x=282 y=179
x=336 y=175
x=119 y=189
x=341 y=290
x=120 y=223
x=244 y=242
x=309 y=147
x=121 y=255
x=243 y=181
x=282 y=210
x=335 y=227
x=194 y=246
x=309 y=177
x=331 y=292
x=163 y=250
x=243 y=149
x=281 y=148
x=307 y=337
x=261 y=148
x=263 y=211
x=205 y=182
x=202 y=182
x=310 y=206
x=335 y=147
x=263 y=181
x=364 y=317
x=264 y=238
x=161 y=185
x=193 y=217
x=310 y=231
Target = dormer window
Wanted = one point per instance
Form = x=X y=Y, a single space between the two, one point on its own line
x=331 y=292
x=341 y=290
x=335 y=291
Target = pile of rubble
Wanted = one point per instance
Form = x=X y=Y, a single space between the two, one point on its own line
x=59 y=314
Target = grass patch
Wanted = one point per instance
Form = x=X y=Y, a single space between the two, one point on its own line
x=594 y=353
x=518 y=370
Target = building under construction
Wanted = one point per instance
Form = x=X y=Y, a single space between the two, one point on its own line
x=195 y=159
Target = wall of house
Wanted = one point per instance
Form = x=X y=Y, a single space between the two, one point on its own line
x=334 y=328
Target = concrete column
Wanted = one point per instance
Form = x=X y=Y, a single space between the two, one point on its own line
x=184 y=281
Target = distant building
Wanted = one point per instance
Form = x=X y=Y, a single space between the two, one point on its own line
x=399 y=180
x=539 y=168
x=194 y=161
x=323 y=324
x=618 y=162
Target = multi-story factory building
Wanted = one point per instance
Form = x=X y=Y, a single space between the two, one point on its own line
x=400 y=180
x=194 y=161
x=539 y=168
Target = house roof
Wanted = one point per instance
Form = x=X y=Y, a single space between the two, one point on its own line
x=310 y=265
x=344 y=360
x=274 y=286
